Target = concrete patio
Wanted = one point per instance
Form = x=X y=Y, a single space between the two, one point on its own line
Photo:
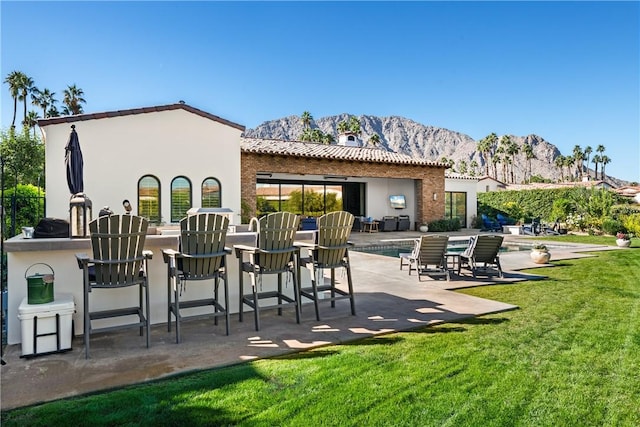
x=387 y=300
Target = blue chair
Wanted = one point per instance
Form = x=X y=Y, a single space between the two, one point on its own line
x=489 y=224
x=504 y=220
x=309 y=223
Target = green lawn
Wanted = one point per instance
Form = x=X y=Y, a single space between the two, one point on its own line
x=569 y=357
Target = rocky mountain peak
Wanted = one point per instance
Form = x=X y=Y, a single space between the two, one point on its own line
x=406 y=136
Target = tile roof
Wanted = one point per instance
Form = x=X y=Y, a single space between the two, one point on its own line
x=455 y=175
x=322 y=151
x=553 y=185
x=132 y=111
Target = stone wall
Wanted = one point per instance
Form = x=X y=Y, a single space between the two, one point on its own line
x=429 y=180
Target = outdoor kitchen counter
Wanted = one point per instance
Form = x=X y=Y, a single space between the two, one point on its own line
x=60 y=255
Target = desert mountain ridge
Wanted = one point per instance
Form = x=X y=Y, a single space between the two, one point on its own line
x=406 y=136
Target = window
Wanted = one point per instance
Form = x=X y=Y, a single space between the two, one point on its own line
x=180 y=198
x=211 y=196
x=149 y=198
x=304 y=198
x=455 y=206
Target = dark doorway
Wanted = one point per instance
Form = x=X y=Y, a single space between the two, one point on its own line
x=353 y=198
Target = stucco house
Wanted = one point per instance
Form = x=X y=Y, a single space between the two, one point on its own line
x=165 y=159
x=487 y=183
x=155 y=157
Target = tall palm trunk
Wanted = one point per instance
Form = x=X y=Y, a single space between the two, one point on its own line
x=15 y=111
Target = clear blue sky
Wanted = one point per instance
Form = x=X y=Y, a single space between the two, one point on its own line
x=568 y=72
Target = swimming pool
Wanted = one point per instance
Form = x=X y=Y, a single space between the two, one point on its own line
x=395 y=248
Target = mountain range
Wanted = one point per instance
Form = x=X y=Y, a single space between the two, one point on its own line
x=402 y=135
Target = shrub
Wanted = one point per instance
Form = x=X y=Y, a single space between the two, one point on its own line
x=29 y=207
x=620 y=210
x=561 y=208
x=611 y=226
x=452 y=224
x=632 y=223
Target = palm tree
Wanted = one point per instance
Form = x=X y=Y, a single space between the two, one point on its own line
x=26 y=87
x=327 y=139
x=495 y=159
x=374 y=139
x=587 y=152
x=53 y=111
x=600 y=150
x=559 y=162
x=305 y=135
x=343 y=126
x=596 y=160
x=568 y=163
x=605 y=160
x=306 y=119
x=473 y=166
x=73 y=100
x=503 y=148
x=512 y=151
x=43 y=99
x=493 y=144
x=31 y=121
x=529 y=155
x=14 y=80
x=484 y=147
x=316 y=135
x=354 y=125
x=462 y=167
x=578 y=157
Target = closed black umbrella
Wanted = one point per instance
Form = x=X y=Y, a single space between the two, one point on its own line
x=74 y=163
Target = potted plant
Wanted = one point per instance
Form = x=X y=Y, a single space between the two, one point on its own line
x=540 y=254
x=623 y=239
x=424 y=227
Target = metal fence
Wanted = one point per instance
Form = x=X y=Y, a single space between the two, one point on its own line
x=15 y=212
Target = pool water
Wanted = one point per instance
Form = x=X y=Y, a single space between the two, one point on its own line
x=394 y=250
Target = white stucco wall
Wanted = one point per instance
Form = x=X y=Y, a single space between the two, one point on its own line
x=488 y=184
x=117 y=151
x=469 y=186
x=378 y=192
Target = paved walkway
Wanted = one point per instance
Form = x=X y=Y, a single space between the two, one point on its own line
x=387 y=300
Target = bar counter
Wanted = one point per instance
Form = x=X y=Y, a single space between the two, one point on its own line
x=60 y=253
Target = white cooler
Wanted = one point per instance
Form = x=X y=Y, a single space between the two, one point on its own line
x=47 y=328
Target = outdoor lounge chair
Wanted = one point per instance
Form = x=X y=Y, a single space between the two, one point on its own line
x=504 y=220
x=330 y=251
x=118 y=261
x=482 y=255
x=532 y=228
x=489 y=224
x=388 y=223
x=274 y=253
x=201 y=257
x=428 y=256
x=404 y=223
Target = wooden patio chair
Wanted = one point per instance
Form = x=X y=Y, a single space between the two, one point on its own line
x=201 y=257
x=118 y=260
x=428 y=256
x=482 y=255
x=330 y=251
x=274 y=253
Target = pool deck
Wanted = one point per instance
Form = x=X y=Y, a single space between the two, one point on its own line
x=387 y=300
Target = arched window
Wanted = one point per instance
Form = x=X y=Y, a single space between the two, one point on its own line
x=149 y=198
x=180 y=198
x=211 y=195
